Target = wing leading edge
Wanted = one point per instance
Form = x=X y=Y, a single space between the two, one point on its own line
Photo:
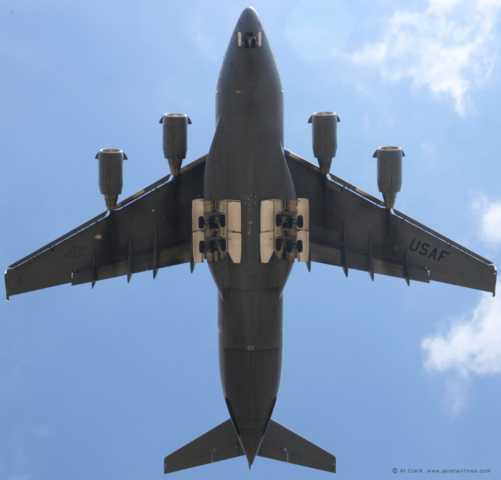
x=352 y=229
x=147 y=231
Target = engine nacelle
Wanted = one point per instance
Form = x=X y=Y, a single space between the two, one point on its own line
x=324 y=134
x=111 y=174
x=175 y=139
x=389 y=173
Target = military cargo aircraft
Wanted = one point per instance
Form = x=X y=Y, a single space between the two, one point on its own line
x=250 y=208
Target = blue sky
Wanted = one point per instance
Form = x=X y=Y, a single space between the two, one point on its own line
x=104 y=383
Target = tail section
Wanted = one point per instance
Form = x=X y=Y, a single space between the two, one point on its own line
x=220 y=443
x=282 y=444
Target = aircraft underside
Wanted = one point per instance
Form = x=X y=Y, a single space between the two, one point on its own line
x=250 y=209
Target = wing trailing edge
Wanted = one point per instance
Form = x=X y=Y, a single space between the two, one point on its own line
x=352 y=229
x=147 y=231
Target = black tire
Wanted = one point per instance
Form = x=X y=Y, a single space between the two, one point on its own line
x=201 y=223
x=222 y=245
x=278 y=244
x=212 y=247
x=300 y=221
x=299 y=246
x=212 y=224
x=201 y=247
x=288 y=246
x=290 y=222
x=253 y=42
x=222 y=220
x=278 y=220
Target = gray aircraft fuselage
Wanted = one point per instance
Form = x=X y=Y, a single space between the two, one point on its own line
x=246 y=162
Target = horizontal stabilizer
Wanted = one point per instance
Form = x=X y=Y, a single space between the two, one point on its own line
x=220 y=443
x=282 y=444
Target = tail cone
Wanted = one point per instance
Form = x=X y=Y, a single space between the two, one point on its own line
x=250 y=439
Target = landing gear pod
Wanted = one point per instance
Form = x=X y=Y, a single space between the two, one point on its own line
x=175 y=139
x=389 y=173
x=285 y=230
x=111 y=174
x=217 y=230
x=324 y=134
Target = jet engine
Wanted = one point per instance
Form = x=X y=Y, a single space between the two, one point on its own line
x=111 y=174
x=175 y=139
x=389 y=173
x=324 y=134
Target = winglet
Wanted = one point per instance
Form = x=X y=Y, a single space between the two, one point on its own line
x=6 y=287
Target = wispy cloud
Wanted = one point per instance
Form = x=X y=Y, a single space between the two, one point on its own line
x=449 y=48
x=429 y=152
x=456 y=394
x=319 y=29
x=470 y=347
x=15 y=461
x=42 y=431
x=207 y=45
x=488 y=217
x=472 y=344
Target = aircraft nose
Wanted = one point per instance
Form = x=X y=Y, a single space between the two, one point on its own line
x=249 y=21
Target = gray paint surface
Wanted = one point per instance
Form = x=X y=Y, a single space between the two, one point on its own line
x=247 y=162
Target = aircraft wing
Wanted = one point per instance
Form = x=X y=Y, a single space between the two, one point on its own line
x=147 y=231
x=352 y=229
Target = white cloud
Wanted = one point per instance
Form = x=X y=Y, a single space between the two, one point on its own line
x=449 y=47
x=488 y=217
x=470 y=346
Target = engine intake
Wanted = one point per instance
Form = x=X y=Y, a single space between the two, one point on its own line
x=389 y=172
x=111 y=174
x=324 y=134
x=175 y=139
